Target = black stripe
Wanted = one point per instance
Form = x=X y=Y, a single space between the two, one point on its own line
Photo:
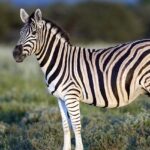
x=28 y=45
x=71 y=102
x=111 y=54
x=77 y=125
x=147 y=72
x=75 y=114
x=52 y=63
x=72 y=94
x=131 y=71
x=74 y=90
x=65 y=88
x=77 y=118
x=77 y=121
x=90 y=77
x=106 y=50
x=147 y=85
x=115 y=71
x=44 y=45
x=63 y=74
x=114 y=75
x=47 y=55
x=73 y=106
x=147 y=64
x=62 y=77
x=147 y=78
x=73 y=110
x=43 y=35
x=101 y=80
x=90 y=54
x=73 y=71
x=80 y=73
x=131 y=59
x=68 y=66
x=26 y=50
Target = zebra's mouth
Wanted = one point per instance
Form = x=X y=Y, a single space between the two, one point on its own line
x=20 y=59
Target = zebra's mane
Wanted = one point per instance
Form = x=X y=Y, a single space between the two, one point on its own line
x=63 y=33
x=60 y=30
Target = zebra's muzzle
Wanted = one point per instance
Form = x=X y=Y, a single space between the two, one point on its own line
x=18 y=54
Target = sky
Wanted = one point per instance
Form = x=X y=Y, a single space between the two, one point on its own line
x=45 y=2
x=41 y=2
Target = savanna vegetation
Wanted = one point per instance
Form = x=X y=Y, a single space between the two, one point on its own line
x=30 y=118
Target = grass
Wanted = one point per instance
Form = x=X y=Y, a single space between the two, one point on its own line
x=30 y=118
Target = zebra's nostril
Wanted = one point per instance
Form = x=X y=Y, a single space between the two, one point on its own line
x=17 y=51
x=18 y=47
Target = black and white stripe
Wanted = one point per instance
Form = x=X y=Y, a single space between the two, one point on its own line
x=110 y=77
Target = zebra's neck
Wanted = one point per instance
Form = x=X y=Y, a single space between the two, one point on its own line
x=53 y=54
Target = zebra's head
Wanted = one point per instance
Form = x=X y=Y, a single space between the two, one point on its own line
x=30 y=33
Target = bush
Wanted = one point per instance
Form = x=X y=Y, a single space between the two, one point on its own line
x=103 y=21
x=85 y=22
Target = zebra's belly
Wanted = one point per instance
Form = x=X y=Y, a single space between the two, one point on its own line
x=109 y=105
x=112 y=102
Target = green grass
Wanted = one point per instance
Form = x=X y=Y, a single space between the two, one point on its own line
x=30 y=118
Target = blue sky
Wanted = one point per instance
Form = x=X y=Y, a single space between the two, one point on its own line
x=44 y=2
x=41 y=2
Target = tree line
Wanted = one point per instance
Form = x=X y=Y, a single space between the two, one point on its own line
x=85 y=21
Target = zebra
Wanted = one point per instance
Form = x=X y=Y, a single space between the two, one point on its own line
x=108 y=78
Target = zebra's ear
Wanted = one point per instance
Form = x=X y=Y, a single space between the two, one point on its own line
x=38 y=15
x=23 y=15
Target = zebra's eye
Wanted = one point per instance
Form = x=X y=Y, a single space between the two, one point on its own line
x=34 y=33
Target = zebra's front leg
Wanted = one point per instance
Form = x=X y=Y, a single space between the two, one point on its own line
x=65 y=124
x=73 y=108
